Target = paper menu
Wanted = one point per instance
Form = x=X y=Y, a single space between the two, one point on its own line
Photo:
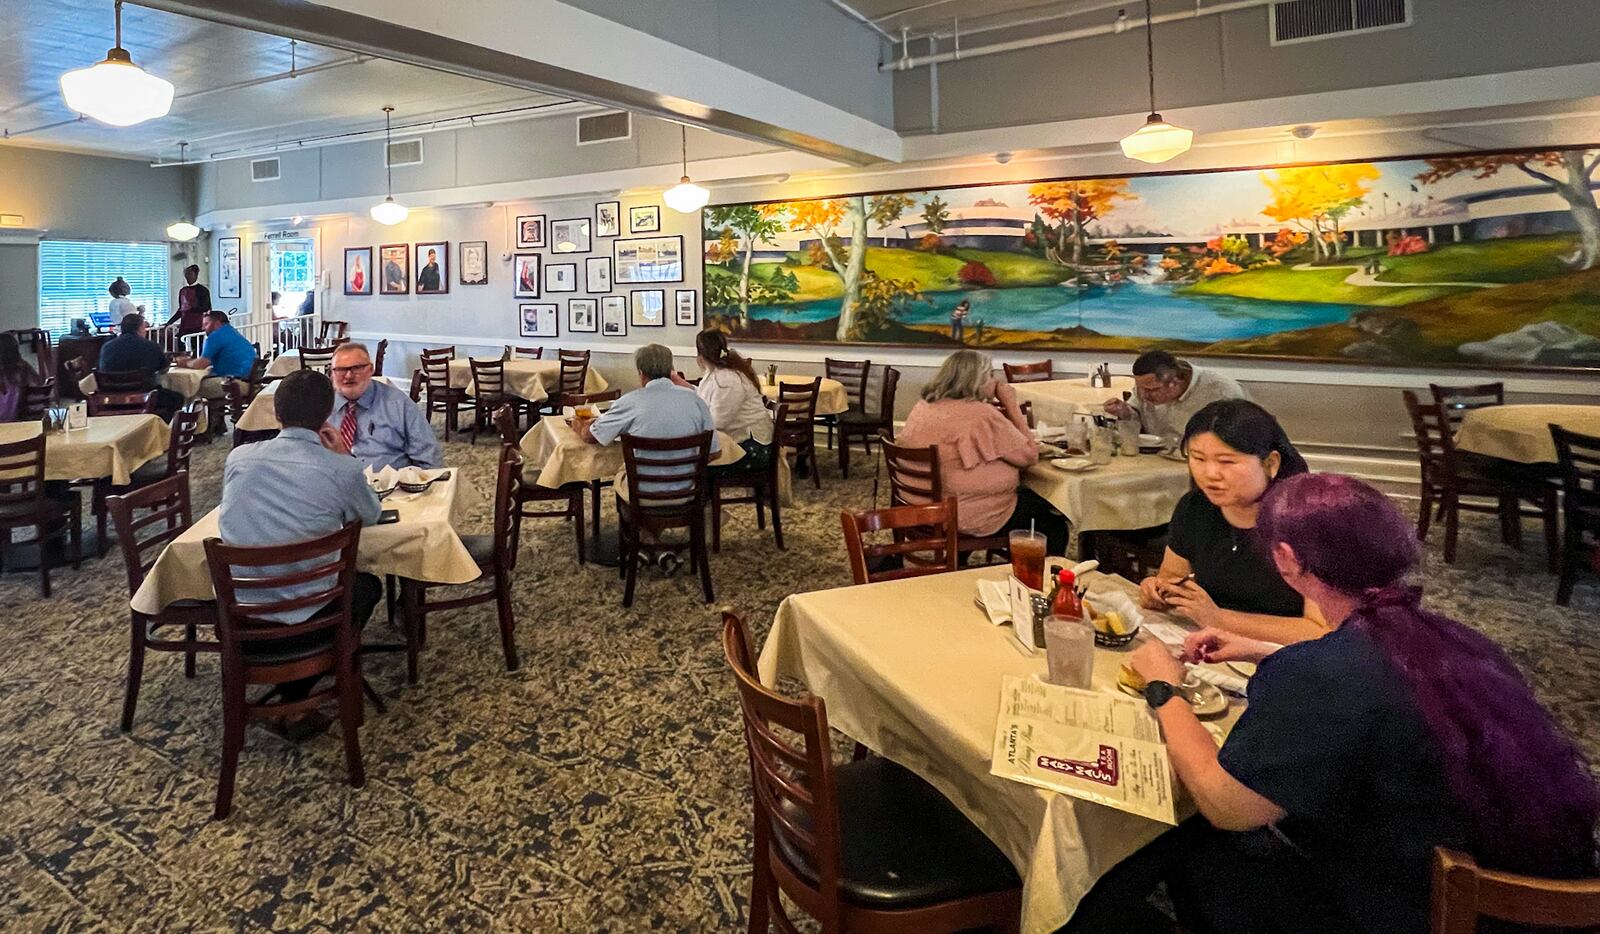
x=1092 y=745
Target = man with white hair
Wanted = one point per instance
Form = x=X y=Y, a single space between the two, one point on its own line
x=375 y=421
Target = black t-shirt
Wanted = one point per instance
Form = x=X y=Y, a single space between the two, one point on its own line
x=132 y=352
x=1333 y=738
x=1227 y=563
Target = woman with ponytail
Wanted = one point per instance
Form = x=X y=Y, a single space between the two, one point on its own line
x=732 y=392
x=1398 y=731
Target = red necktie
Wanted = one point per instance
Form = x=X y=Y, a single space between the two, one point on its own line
x=347 y=427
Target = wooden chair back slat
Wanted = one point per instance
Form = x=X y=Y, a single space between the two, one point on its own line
x=1457 y=401
x=853 y=375
x=436 y=367
x=110 y=381
x=1464 y=894
x=316 y=358
x=1431 y=426
x=524 y=353
x=22 y=471
x=1029 y=372
x=488 y=377
x=332 y=331
x=121 y=403
x=1578 y=460
x=377 y=359
x=147 y=519
x=35 y=399
x=505 y=422
x=237 y=570
x=914 y=477
x=674 y=470
x=935 y=554
x=574 y=372
x=1024 y=406
x=801 y=401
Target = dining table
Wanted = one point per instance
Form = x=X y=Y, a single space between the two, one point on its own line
x=532 y=380
x=1128 y=492
x=1056 y=401
x=181 y=380
x=109 y=447
x=832 y=397
x=1521 y=433
x=913 y=669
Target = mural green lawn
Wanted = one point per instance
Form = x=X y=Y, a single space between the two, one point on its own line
x=932 y=272
x=1290 y=284
x=1519 y=259
x=1014 y=270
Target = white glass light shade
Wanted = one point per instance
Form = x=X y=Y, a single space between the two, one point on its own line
x=389 y=212
x=686 y=197
x=183 y=230
x=116 y=91
x=1157 y=141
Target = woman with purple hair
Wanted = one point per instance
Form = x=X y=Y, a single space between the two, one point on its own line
x=1398 y=731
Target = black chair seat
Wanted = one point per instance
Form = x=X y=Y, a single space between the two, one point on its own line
x=150 y=471
x=26 y=511
x=865 y=420
x=281 y=651
x=480 y=547
x=904 y=845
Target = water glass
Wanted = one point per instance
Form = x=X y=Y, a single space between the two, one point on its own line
x=1128 y=436
x=1068 y=651
x=1077 y=436
x=1102 y=443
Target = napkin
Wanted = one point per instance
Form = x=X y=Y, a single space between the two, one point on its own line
x=412 y=475
x=384 y=479
x=1227 y=681
x=995 y=598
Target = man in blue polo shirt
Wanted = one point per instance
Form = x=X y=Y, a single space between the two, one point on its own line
x=229 y=354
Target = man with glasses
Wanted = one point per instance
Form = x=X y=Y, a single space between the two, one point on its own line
x=374 y=421
x=1171 y=391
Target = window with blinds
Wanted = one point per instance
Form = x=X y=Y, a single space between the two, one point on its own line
x=74 y=276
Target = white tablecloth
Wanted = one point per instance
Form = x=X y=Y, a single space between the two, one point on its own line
x=831 y=395
x=1136 y=492
x=1055 y=401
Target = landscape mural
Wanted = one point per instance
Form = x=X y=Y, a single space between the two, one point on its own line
x=1477 y=258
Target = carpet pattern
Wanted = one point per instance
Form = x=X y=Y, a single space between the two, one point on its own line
x=602 y=787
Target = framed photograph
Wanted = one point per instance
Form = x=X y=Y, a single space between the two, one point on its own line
x=614 y=316
x=582 y=315
x=530 y=231
x=644 y=218
x=597 y=275
x=649 y=307
x=648 y=259
x=230 y=272
x=358 y=270
x=394 y=260
x=561 y=277
x=688 y=305
x=433 y=268
x=570 y=236
x=538 y=319
x=525 y=275
x=474 y=262
x=608 y=219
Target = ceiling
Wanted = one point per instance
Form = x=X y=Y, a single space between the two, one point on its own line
x=206 y=61
x=968 y=17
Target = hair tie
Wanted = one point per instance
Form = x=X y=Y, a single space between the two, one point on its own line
x=1391 y=595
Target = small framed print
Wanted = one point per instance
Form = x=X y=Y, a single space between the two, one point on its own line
x=597 y=275
x=570 y=236
x=647 y=259
x=644 y=218
x=358 y=270
x=530 y=232
x=582 y=316
x=649 y=308
x=395 y=261
x=230 y=269
x=525 y=275
x=538 y=319
x=608 y=219
x=613 y=316
x=433 y=268
x=474 y=262
x=561 y=277
x=688 y=305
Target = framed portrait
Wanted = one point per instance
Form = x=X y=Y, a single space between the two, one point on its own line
x=394 y=262
x=474 y=262
x=538 y=319
x=644 y=218
x=561 y=277
x=525 y=275
x=358 y=270
x=608 y=219
x=230 y=272
x=530 y=231
x=582 y=315
x=648 y=259
x=688 y=306
x=433 y=267
x=649 y=308
x=570 y=235
x=614 y=316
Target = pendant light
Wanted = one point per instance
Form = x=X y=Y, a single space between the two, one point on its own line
x=184 y=229
x=116 y=91
x=1157 y=140
x=388 y=211
x=686 y=197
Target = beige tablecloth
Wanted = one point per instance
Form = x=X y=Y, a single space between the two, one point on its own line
x=912 y=669
x=831 y=396
x=284 y=364
x=181 y=380
x=1128 y=493
x=526 y=379
x=556 y=456
x=112 y=446
x=1055 y=401
x=1522 y=432
x=260 y=414
x=423 y=545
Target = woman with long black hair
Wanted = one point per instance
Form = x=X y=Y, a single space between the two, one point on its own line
x=15 y=375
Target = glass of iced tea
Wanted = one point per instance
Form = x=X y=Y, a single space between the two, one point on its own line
x=1027 y=557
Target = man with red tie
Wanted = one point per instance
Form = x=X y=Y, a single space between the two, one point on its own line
x=375 y=421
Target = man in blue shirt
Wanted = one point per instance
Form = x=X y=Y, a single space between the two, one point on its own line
x=132 y=350
x=375 y=421
x=658 y=409
x=228 y=353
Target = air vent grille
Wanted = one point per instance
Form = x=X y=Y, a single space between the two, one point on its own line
x=405 y=152
x=1310 y=20
x=265 y=170
x=603 y=128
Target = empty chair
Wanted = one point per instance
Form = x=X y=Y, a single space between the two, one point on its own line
x=524 y=353
x=864 y=426
x=377 y=358
x=1465 y=895
x=122 y=403
x=853 y=376
x=316 y=358
x=181 y=438
x=488 y=391
x=1029 y=372
x=530 y=492
x=121 y=381
x=926 y=540
x=1579 y=459
x=570 y=383
x=441 y=396
x=1457 y=401
x=796 y=431
x=332 y=331
x=34 y=400
x=666 y=490
x=763 y=492
x=24 y=505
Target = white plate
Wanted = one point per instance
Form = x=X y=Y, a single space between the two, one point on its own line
x=1072 y=464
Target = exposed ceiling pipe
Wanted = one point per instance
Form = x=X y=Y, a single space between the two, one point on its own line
x=1030 y=42
x=860 y=17
x=1015 y=19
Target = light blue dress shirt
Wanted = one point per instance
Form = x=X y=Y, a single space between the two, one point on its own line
x=391 y=430
x=291 y=489
x=658 y=409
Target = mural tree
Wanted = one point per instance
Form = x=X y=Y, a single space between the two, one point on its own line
x=823 y=219
x=1569 y=173
x=1074 y=206
x=751 y=223
x=1317 y=198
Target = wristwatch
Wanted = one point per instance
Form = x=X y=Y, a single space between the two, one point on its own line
x=1157 y=693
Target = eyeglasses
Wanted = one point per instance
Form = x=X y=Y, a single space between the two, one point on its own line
x=351 y=370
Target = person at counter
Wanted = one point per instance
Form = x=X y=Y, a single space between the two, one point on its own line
x=376 y=422
x=1170 y=392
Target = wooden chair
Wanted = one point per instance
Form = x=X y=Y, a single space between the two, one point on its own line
x=181 y=436
x=864 y=846
x=120 y=381
x=377 y=358
x=1457 y=401
x=1023 y=406
x=332 y=331
x=571 y=382
x=916 y=478
x=1579 y=458
x=488 y=391
x=146 y=520
x=860 y=426
x=35 y=399
x=24 y=505
x=441 y=397
x=571 y=494
x=122 y=403
x=316 y=358
x=524 y=353
x=796 y=431
x=1029 y=372
x=1465 y=894
x=37 y=340
x=918 y=551
x=763 y=493
x=670 y=494
x=417 y=383
x=853 y=375
x=496 y=557
x=1446 y=478
x=257 y=649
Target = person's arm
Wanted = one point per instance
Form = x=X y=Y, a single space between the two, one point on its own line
x=609 y=425
x=1152 y=590
x=1191 y=601
x=422 y=445
x=202 y=298
x=1007 y=397
x=363 y=505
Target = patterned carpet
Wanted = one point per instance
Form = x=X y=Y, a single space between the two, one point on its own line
x=602 y=787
